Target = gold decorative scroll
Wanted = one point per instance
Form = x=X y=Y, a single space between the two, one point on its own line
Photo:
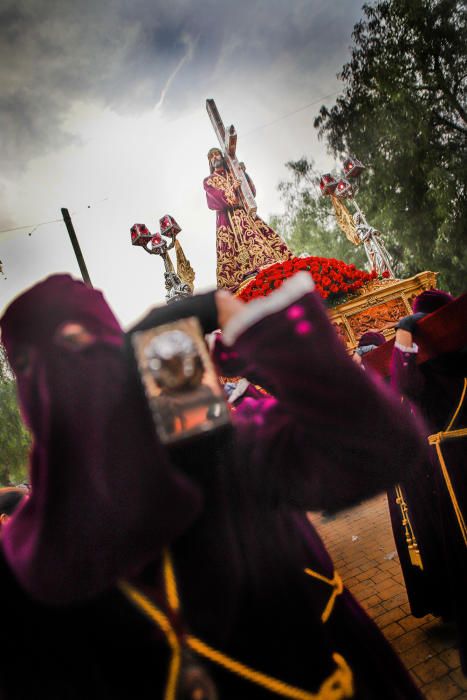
x=225 y=183
x=345 y=220
x=184 y=269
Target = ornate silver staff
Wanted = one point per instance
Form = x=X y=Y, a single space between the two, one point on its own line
x=179 y=285
x=356 y=227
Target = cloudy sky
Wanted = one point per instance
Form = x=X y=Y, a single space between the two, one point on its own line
x=102 y=111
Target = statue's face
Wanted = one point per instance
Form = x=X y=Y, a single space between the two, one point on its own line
x=216 y=160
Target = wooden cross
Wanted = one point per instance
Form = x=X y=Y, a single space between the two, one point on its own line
x=228 y=145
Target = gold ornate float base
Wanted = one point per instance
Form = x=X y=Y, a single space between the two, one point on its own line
x=378 y=307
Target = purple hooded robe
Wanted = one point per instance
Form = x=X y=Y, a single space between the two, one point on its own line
x=438 y=496
x=84 y=514
x=255 y=580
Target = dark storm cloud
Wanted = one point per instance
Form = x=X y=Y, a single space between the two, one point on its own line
x=121 y=54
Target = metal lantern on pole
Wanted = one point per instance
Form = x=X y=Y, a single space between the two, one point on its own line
x=178 y=284
x=356 y=227
x=327 y=184
x=353 y=168
x=344 y=189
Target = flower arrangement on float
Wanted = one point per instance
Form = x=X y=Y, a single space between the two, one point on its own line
x=334 y=279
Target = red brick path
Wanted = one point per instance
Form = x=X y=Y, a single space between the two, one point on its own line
x=362 y=546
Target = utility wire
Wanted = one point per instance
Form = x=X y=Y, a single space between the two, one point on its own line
x=289 y=114
x=248 y=133
x=31 y=226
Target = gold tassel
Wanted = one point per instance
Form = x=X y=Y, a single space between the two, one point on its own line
x=412 y=544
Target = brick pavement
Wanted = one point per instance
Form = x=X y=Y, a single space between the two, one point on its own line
x=362 y=546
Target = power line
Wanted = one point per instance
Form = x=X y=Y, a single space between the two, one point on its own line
x=289 y=114
x=31 y=226
x=248 y=133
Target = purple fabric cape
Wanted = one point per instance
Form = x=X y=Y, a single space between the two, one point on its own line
x=103 y=497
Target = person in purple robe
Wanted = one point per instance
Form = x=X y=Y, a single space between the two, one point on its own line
x=409 y=520
x=141 y=570
x=244 y=243
x=437 y=390
x=368 y=341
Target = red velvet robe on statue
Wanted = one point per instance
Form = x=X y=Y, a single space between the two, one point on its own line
x=244 y=244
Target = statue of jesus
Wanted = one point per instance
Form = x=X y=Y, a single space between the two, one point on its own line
x=245 y=244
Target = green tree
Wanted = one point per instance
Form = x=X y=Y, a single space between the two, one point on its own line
x=14 y=438
x=309 y=224
x=403 y=114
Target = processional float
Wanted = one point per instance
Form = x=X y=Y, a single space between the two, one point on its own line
x=357 y=300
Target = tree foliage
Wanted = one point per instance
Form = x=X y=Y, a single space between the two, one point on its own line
x=14 y=438
x=403 y=113
x=309 y=224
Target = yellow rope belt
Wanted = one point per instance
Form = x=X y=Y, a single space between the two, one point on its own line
x=335 y=583
x=337 y=686
x=436 y=439
x=411 y=540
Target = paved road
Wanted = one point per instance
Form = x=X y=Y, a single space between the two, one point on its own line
x=361 y=544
